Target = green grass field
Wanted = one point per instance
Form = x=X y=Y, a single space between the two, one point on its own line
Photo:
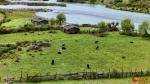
x=18 y=18
x=80 y=51
x=17 y=23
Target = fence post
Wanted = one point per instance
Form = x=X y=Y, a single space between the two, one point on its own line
x=27 y=77
x=56 y=76
x=122 y=73
x=147 y=73
x=21 y=76
x=141 y=73
x=109 y=73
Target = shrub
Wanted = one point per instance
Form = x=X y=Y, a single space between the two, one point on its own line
x=143 y=29
x=123 y=57
x=61 y=18
x=52 y=21
x=127 y=26
x=17 y=60
x=19 y=49
x=103 y=27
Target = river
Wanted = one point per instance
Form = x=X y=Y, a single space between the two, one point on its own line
x=86 y=13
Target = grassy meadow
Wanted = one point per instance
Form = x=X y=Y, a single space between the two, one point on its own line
x=115 y=51
x=18 y=18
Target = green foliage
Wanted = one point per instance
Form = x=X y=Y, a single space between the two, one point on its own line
x=92 y=1
x=143 y=28
x=127 y=26
x=118 y=1
x=103 y=27
x=61 y=18
x=53 y=21
x=131 y=5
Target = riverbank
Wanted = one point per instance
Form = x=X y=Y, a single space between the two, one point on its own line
x=32 y=3
x=129 y=8
x=134 y=6
x=4 y=2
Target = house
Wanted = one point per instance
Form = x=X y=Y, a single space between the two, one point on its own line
x=39 y=21
x=71 y=28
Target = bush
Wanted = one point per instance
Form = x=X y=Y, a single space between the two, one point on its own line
x=17 y=60
x=103 y=27
x=53 y=21
x=19 y=49
x=143 y=29
x=61 y=18
x=127 y=26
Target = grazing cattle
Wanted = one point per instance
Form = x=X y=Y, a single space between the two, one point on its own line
x=97 y=47
x=53 y=62
x=88 y=66
x=59 y=52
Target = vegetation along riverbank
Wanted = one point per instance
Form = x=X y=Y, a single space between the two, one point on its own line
x=127 y=5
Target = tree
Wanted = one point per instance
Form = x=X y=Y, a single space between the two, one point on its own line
x=127 y=26
x=103 y=27
x=143 y=28
x=61 y=18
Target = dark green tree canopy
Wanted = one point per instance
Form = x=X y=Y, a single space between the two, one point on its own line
x=127 y=26
x=144 y=28
x=61 y=18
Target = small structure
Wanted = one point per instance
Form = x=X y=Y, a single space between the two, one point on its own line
x=71 y=28
x=39 y=21
x=113 y=26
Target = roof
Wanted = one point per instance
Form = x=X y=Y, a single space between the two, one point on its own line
x=39 y=20
x=70 y=26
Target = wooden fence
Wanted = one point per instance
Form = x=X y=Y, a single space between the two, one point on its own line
x=79 y=76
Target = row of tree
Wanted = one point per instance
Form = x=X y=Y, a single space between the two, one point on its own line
x=128 y=28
